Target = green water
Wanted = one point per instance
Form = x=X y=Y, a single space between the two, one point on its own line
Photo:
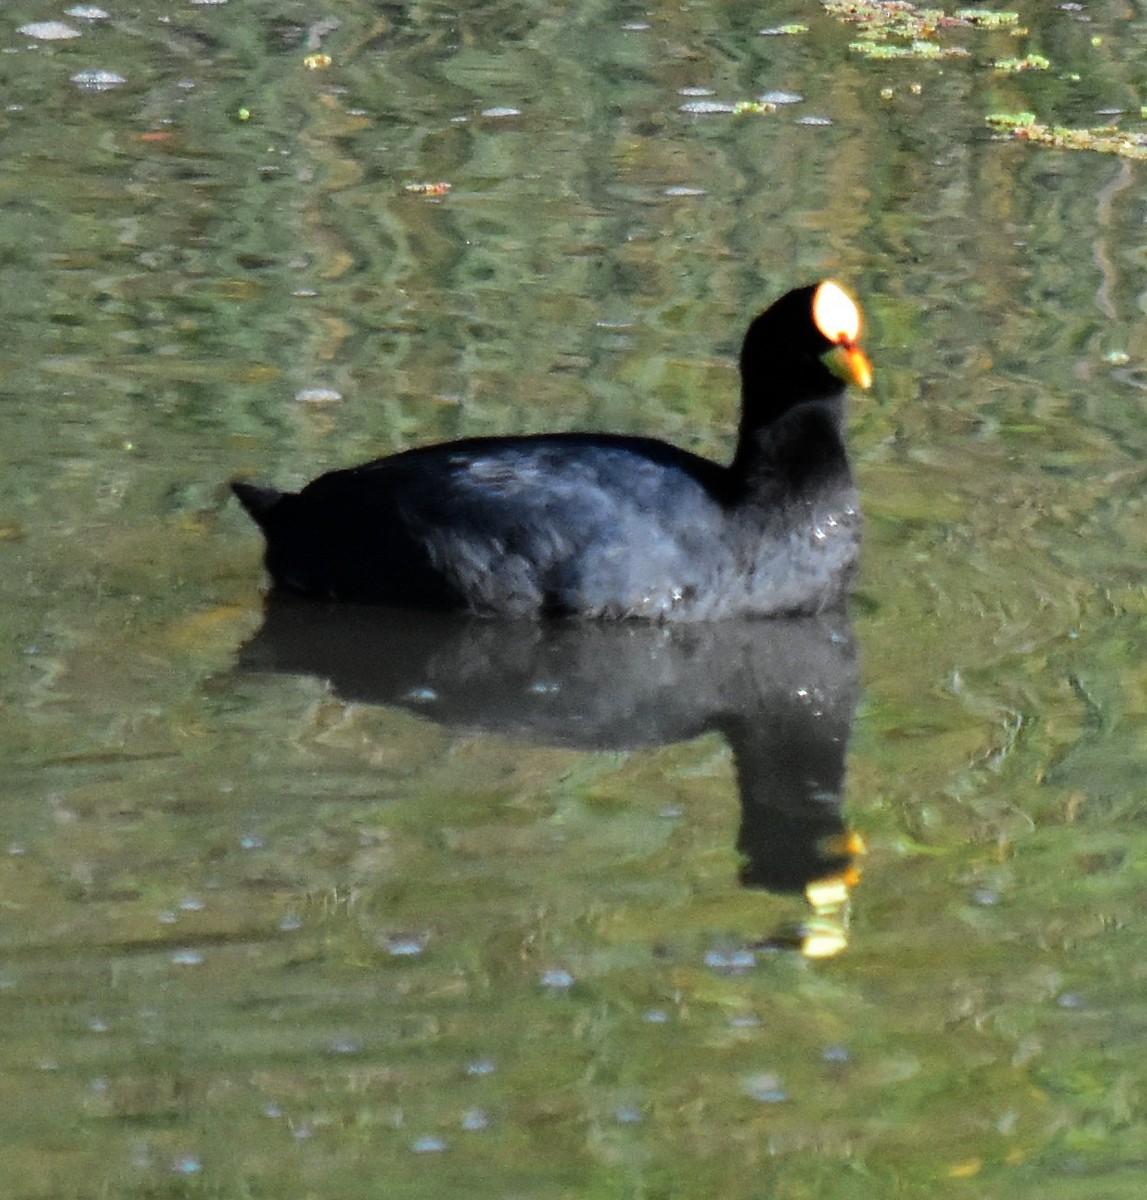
x=209 y=877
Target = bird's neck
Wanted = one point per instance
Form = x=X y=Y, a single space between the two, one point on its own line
x=795 y=450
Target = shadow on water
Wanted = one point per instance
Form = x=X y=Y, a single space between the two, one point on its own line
x=783 y=694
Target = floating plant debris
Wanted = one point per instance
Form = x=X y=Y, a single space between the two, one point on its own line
x=986 y=19
x=915 y=49
x=1010 y=121
x=1103 y=139
x=892 y=29
x=897 y=29
x=897 y=18
x=794 y=29
x=427 y=189
x=1029 y=62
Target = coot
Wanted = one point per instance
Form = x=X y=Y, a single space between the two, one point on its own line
x=600 y=525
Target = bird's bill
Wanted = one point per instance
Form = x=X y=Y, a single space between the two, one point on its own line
x=850 y=363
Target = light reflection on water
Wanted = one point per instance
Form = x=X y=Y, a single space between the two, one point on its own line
x=214 y=882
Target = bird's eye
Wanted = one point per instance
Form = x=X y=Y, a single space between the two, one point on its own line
x=836 y=314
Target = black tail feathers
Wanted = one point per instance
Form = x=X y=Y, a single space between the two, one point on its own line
x=257 y=500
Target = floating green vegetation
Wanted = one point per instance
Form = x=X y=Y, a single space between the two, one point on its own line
x=1007 y=122
x=916 y=49
x=888 y=19
x=897 y=18
x=1103 y=139
x=1029 y=62
x=897 y=29
x=987 y=19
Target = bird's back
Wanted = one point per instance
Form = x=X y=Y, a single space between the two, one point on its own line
x=591 y=525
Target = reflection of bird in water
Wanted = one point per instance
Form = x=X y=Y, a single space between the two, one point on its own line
x=599 y=525
x=782 y=693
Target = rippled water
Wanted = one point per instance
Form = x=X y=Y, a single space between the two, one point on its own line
x=267 y=936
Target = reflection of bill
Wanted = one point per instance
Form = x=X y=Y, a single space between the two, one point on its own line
x=825 y=931
x=781 y=692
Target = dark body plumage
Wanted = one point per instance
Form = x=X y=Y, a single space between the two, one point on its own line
x=597 y=525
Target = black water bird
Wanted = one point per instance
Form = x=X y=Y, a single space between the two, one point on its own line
x=602 y=525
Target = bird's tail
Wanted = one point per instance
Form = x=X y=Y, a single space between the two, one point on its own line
x=259 y=501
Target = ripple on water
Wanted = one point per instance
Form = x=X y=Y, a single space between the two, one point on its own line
x=49 y=31
x=557 y=980
x=706 y=108
x=97 y=80
x=428 y=1145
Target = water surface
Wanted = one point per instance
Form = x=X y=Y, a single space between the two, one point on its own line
x=263 y=938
